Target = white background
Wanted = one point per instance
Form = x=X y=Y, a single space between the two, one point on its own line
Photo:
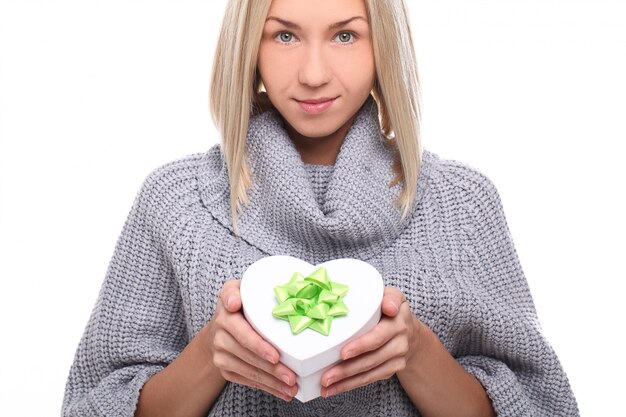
x=96 y=94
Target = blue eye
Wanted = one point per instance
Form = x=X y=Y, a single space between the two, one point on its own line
x=285 y=37
x=345 y=37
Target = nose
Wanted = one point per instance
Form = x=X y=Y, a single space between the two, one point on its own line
x=315 y=70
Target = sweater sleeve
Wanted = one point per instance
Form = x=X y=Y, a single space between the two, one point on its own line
x=503 y=345
x=137 y=326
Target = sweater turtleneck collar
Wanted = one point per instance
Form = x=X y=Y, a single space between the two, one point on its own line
x=358 y=218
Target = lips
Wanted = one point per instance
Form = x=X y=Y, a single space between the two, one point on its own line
x=316 y=100
x=316 y=106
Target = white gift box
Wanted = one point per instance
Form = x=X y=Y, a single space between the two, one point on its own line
x=310 y=353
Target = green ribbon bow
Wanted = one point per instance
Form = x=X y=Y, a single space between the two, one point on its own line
x=310 y=302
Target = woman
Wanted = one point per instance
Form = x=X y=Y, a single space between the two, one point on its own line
x=317 y=106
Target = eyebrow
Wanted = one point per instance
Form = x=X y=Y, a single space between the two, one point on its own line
x=293 y=25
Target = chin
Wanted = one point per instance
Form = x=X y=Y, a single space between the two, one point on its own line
x=316 y=133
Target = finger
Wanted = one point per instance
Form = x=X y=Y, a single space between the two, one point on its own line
x=230 y=297
x=347 y=369
x=371 y=340
x=227 y=343
x=247 y=337
x=238 y=379
x=385 y=371
x=392 y=300
x=260 y=378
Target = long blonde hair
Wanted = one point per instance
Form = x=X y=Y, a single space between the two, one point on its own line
x=235 y=90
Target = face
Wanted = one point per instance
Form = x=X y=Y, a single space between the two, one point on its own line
x=317 y=63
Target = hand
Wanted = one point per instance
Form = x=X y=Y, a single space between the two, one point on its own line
x=240 y=354
x=380 y=353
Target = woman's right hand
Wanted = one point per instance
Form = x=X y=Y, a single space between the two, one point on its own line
x=241 y=355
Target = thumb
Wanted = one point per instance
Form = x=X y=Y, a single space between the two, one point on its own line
x=392 y=300
x=230 y=296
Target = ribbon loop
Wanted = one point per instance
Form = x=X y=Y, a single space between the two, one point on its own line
x=310 y=302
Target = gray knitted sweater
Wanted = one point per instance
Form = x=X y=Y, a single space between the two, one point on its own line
x=453 y=258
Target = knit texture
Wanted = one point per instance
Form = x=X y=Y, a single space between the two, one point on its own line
x=453 y=258
x=319 y=175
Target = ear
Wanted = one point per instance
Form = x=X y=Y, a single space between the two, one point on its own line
x=260 y=100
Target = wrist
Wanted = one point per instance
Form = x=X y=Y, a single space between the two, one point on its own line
x=202 y=347
x=187 y=386
x=420 y=351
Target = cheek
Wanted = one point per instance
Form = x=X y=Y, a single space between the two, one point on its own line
x=356 y=73
x=273 y=68
x=356 y=69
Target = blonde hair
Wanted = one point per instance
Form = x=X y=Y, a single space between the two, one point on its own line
x=235 y=90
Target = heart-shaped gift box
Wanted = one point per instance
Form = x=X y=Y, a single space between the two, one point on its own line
x=310 y=353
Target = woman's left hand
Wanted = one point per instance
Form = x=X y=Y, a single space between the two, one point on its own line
x=380 y=353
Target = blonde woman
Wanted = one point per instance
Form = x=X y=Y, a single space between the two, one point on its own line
x=317 y=106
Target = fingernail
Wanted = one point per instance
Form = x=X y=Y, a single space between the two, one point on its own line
x=229 y=299
x=329 y=381
x=348 y=354
x=287 y=390
x=285 y=379
x=270 y=358
x=331 y=391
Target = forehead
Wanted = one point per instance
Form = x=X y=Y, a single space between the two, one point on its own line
x=311 y=12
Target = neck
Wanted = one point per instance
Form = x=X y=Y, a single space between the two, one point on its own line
x=321 y=150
